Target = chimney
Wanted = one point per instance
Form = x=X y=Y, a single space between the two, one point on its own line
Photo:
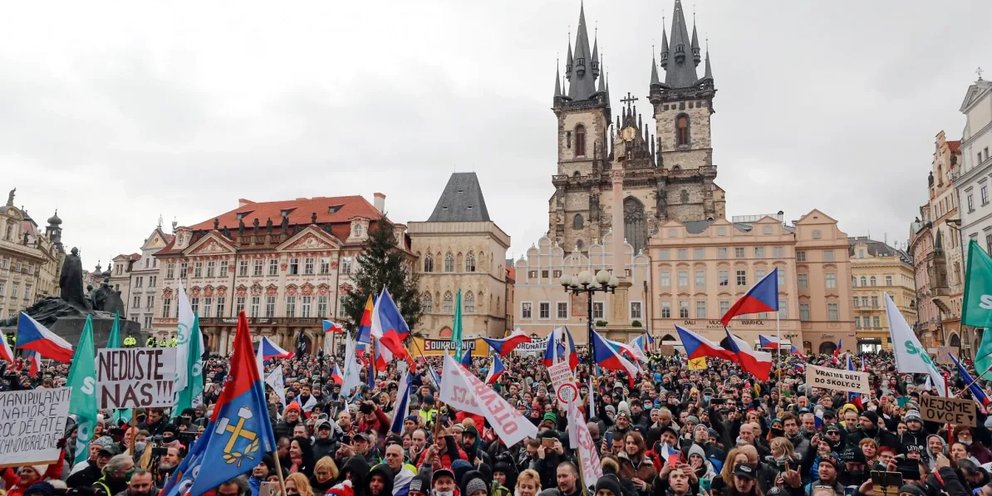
x=380 y=202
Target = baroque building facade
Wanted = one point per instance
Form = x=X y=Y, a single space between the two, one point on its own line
x=876 y=269
x=136 y=277
x=30 y=259
x=459 y=247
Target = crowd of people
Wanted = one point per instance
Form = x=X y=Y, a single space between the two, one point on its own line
x=671 y=431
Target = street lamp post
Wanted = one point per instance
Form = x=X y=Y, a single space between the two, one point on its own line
x=585 y=282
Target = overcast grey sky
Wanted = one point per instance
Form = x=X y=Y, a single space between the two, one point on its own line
x=117 y=112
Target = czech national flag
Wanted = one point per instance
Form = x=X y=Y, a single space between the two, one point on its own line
x=402 y=408
x=836 y=359
x=390 y=329
x=5 y=352
x=771 y=343
x=669 y=454
x=331 y=326
x=506 y=345
x=756 y=363
x=561 y=344
x=31 y=335
x=607 y=357
x=34 y=364
x=496 y=370
x=796 y=351
x=240 y=431
x=854 y=398
x=336 y=375
x=762 y=297
x=467 y=359
x=270 y=350
x=697 y=346
x=976 y=391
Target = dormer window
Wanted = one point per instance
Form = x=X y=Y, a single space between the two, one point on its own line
x=333 y=209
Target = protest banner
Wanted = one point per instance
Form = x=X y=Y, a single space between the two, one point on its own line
x=31 y=424
x=697 y=363
x=957 y=411
x=464 y=391
x=136 y=377
x=438 y=347
x=589 y=463
x=563 y=383
x=837 y=379
x=533 y=348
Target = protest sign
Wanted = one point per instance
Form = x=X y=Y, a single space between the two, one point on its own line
x=697 y=363
x=588 y=457
x=464 y=391
x=837 y=379
x=533 y=348
x=563 y=383
x=438 y=347
x=136 y=377
x=31 y=424
x=957 y=411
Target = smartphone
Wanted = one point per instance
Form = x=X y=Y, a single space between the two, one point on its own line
x=705 y=484
x=609 y=439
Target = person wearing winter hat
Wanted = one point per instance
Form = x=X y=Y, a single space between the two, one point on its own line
x=115 y=475
x=420 y=485
x=745 y=480
x=18 y=479
x=40 y=489
x=443 y=482
x=474 y=485
x=290 y=417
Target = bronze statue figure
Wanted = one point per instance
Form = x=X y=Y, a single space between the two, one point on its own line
x=71 y=282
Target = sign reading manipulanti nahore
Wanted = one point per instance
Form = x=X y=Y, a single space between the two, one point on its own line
x=838 y=380
x=136 y=377
x=957 y=411
x=31 y=424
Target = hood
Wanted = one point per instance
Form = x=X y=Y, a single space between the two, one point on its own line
x=358 y=466
x=387 y=475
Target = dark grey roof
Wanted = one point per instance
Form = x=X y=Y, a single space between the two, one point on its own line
x=582 y=68
x=680 y=66
x=697 y=226
x=461 y=201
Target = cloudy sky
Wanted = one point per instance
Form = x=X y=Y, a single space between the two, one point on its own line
x=116 y=113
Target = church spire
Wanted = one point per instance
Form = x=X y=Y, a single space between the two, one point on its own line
x=680 y=72
x=654 y=69
x=695 y=42
x=595 y=56
x=583 y=72
x=709 y=72
x=558 y=79
x=664 y=46
x=568 y=60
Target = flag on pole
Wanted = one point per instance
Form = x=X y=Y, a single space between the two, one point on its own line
x=276 y=381
x=762 y=297
x=365 y=324
x=756 y=363
x=82 y=400
x=976 y=390
x=976 y=305
x=336 y=375
x=192 y=395
x=983 y=356
x=34 y=364
x=504 y=346
x=389 y=329
x=242 y=432
x=561 y=346
x=852 y=397
x=697 y=363
x=402 y=408
x=114 y=339
x=184 y=326
x=495 y=370
x=467 y=359
x=332 y=327
x=608 y=358
x=836 y=357
x=697 y=346
x=769 y=342
x=31 y=335
x=5 y=352
x=351 y=378
x=911 y=356
x=456 y=327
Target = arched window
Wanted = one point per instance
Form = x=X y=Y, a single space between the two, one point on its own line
x=449 y=262
x=427 y=303
x=428 y=263
x=684 y=196
x=470 y=262
x=580 y=140
x=682 y=130
x=873 y=281
x=577 y=221
x=448 y=303
x=864 y=281
x=579 y=244
x=469 y=302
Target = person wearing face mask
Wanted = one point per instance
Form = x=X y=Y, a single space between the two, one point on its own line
x=141 y=484
x=443 y=483
x=965 y=436
x=115 y=476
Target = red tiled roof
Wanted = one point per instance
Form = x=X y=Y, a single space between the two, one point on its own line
x=511 y=273
x=955 y=146
x=337 y=209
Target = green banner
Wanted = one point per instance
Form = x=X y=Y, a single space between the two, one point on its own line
x=82 y=401
x=456 y=328
x=976 y=307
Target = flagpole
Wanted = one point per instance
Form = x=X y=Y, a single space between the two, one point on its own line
x=778 y=336
x=282 y=481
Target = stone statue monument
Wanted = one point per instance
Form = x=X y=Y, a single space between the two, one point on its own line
x=71 y=282
x=107 y=300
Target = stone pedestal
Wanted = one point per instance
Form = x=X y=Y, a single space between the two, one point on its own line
x=618 y=321
x=71 y=328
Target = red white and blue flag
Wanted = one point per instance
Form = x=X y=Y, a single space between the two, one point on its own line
x=670 y=455
x=402 y=408
x=607 y=357
x=756 y=363
x=762 y=297
x=506 y=345
x=34 y=364
x=389 y=329
x=31 y=335
x=769 y=342
x=239 y=432
x=976 y=390
x=5 y=352
x=495 y=370
x=332 y=327
x=697 y=346
x=561 y=346
x=270 y=350
x=836 y=358
x=364 y=336
x=336 y=375
x=854 y=398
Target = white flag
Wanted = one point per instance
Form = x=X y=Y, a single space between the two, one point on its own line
x=183 y=331
x=468 y=393
x=586 y=447
x=911 y=356
x=352 y=370
x=278 y=384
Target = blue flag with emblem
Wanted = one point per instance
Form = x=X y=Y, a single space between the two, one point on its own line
x=240 y=431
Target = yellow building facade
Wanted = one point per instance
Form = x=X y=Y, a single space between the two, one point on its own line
x=876 y=269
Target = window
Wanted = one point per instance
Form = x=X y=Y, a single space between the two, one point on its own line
x=220 y=306
x=242 y=268
x=971 y=202
x=700 y=309
x=888 y=280
x=817 y=234
x=3 y=288
x=544 y=310
x=597 y=310
x=448 y=303
x=800 y=256
x=783 y=308
x=635 y=310
x=698 y=253
x=239 y=304
x=832 y=313
x=322 y=306
x=208 y=306
x=683 y=309
x=470 y=262
x=148 y=321
x=182 y=270
x=562 y=310
x=876 y=322
x=739 y=252
x=166 y=307
x=325 y=265
x=274 y=267
x=468 y=303
x=874 y=302
x=577 y=221
x=666 y=310
x=856 y=302
x=804 y=312
x=828 y=255
x=170 y=270
x=864 y=301
x=724 y=277
x=580 y=141
x=830 y=280
x=135 y=304
x=525 y=310
x=257 y=267
x=664 y=254
x=724 y=306
x=223 y=268
x=294 y=266
x=759 y=274
x=683 y=278
x=683 y=254
x=253 y=309
x=427 y=303
x=308 y=265
x=700 y=279
x=428 y=263
x=857 y=322
x=759 y=251
x=778 y=251
x=305 y=309
x=290 y=307
x=270 y=306
x=449 y=262
x=197 y=269
x=984 y=191
x=864 y=281
x=721 y=253
x=211 y=268
x=151 y=281
x=150 y=302
x=742 y=278
x=682 y=130
x=138 y=281
x=346 y=265
x=665 y=279
x=781 y=277
x=873 y=281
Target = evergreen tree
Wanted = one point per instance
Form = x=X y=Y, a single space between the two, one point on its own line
x=383 y=264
